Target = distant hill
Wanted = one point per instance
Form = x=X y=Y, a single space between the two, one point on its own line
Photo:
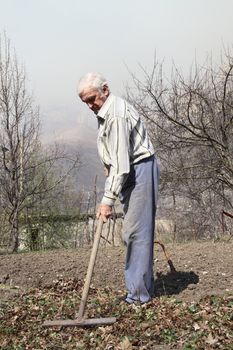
x=90 y=166
x=79 y=139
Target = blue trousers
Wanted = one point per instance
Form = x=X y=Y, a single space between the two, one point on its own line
x=139 y=197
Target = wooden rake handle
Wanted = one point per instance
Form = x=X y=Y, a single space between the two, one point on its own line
x=90 y=269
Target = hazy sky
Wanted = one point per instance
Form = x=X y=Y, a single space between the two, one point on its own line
x=60 y=40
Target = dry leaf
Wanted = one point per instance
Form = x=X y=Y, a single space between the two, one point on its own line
x=196 y=326
x=210 y=340
x=125 y=344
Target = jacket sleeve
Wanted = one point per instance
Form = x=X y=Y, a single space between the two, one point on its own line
x=118 y=141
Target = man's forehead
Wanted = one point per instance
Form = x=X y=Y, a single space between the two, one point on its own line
x=89 y=91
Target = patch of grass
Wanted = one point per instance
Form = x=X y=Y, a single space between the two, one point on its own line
x=169 y=335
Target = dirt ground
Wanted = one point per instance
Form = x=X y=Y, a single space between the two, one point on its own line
x=203 y=268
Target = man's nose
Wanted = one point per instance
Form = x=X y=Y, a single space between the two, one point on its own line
x=90 y=105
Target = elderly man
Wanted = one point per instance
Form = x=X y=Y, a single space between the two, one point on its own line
x=132 y=175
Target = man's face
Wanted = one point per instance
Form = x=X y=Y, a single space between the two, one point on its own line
x=94 y=98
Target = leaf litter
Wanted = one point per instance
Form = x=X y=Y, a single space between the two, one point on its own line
x=206 y=324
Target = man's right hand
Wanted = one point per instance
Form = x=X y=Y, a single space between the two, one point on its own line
x=104 y=211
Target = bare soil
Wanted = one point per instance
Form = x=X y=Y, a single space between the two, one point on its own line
x=203 y=268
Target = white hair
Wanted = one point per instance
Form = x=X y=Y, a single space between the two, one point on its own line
x=91 y=80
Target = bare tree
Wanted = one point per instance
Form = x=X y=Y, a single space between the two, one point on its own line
x=191 y=121
x=26 y=170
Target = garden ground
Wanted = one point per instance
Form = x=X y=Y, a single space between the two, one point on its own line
x=192 y=308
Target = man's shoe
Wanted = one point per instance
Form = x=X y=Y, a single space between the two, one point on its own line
x=122 y=298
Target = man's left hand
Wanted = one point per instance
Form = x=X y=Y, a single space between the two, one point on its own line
x=104 y=211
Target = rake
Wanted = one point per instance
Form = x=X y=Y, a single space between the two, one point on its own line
x=170 y=263
x=81 y=321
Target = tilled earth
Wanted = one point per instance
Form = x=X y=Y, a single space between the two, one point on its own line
x=203 y=268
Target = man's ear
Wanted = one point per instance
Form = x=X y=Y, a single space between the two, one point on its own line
x=106 y=90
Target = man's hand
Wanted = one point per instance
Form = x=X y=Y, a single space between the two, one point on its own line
x=104 y=211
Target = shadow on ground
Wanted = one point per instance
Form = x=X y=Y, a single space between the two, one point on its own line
x=174 y=282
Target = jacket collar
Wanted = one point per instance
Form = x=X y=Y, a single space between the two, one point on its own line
x=104 y=109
